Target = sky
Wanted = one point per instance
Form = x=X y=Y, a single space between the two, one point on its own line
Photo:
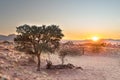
x=79 y=19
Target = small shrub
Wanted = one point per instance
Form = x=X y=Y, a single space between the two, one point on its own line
x=69 y=49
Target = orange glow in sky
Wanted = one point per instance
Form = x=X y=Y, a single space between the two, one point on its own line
x=79 y=19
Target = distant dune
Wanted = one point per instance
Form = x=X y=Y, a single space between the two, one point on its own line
x=7 y=38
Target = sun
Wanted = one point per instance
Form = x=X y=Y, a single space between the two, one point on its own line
x=95 y=38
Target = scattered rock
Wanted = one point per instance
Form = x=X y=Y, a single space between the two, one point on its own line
x=60 y=66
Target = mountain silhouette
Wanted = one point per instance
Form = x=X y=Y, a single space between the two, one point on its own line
x=10 y=37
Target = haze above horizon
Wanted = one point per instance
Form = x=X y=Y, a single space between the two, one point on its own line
x=79 y=19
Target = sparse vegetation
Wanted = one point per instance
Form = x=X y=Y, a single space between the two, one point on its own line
x=97 y=47
x=70 y=49
x=15 y=65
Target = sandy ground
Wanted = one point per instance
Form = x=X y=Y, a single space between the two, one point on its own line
x=94 y=68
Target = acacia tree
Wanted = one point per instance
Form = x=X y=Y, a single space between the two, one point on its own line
x=38 y=39
x=69 y=48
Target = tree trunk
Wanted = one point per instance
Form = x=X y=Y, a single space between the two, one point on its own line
x=62 y=60
x=49 y=56
x=83 y=51
x=39 y=61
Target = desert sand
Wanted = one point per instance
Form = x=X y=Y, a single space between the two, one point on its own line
x=16 y=66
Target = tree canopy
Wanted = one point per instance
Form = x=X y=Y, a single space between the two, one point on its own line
x=38 y=39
